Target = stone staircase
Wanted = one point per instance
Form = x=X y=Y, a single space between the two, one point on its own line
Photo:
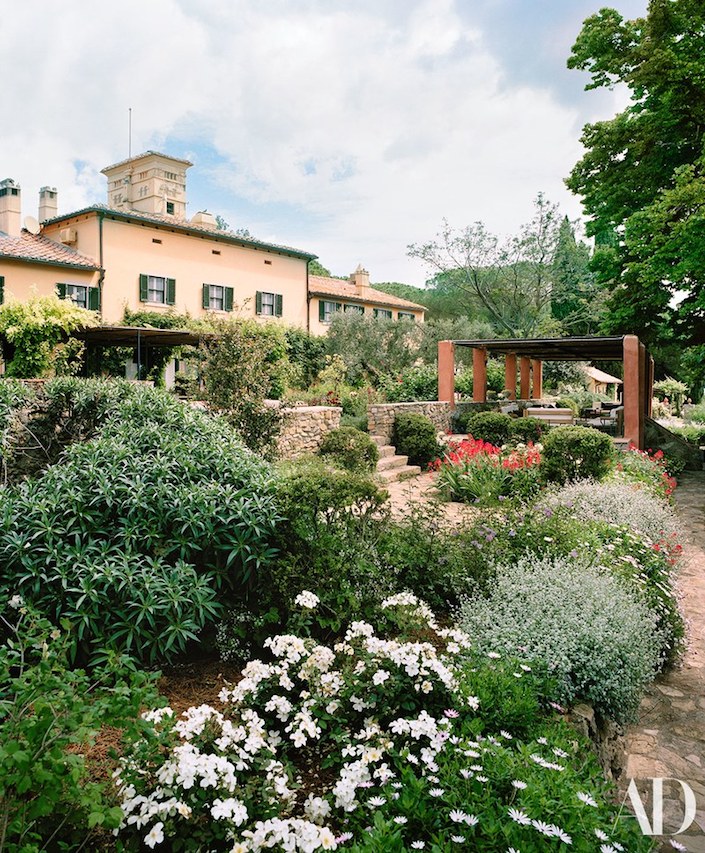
x=392 y=468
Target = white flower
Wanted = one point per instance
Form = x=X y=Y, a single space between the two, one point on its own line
x=520 y=817
x=677 y=845
x=16 y=602
x=380 y=677
x=544 y=828
x=155 y=835
x=519 y=784
x=307 y=600
x=418 y=845
x=602 y=836
x=400 y=819
x=459 y=839
x=458 y=816
x=471 y=820
x=587 y=799
x=376 y=802
x=436 y=792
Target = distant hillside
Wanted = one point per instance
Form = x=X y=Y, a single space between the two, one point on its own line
x=403 y=291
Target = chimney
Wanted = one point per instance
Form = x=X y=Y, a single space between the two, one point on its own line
x=48 y=203
x=10 y=207
x=361 y=279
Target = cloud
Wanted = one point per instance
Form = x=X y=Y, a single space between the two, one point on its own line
x=347 y=129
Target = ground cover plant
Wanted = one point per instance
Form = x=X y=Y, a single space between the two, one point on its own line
x=376 y=743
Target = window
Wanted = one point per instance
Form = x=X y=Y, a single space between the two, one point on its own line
x=327 y=309
x=382 y=313
x=354 y=309
x=406 y=315
x=217 y=298
x=81 y=295
x=269 y=304
x=157 y=289
x=170 y=207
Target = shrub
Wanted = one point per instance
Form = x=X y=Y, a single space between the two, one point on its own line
x=382 y=732
x=574 y=452
x=492 y=427
x=414 y=436
x=138 y=533
x=571 y=403
x=527 y=429
x=350 y=449
x=49 y=715
x=641 y=466
x=696 y=414
x=599 y=641
x=14 y=396
x=413 y=385
x=691 y=432
x=617 y=503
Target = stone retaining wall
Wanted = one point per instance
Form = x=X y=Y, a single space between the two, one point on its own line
x=380 y=416
x=304 y=429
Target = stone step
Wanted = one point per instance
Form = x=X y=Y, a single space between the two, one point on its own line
x=391 y=475
x=380 y=440
x=386 y=450
x=392 y=462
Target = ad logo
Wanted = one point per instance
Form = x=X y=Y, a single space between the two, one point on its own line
x=656 y=825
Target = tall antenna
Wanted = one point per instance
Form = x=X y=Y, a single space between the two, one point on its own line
x=129 y=132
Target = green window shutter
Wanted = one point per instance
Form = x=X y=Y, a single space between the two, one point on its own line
x=258 y=302
x=279 y=305
x=2 y=289
x=94 y=299
x=61 y=290
x=229 y=293
x=144 y=288
x=206 y=295
x=171 y=291
x=321 y=311
x=338 y=306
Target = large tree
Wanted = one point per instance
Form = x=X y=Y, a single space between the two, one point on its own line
x=641 y=178
x=508 y=282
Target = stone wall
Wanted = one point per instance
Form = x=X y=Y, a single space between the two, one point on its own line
x=304 y=429
x=380 y=416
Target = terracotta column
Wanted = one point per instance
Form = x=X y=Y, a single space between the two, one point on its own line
x=479 y=375
x=650 y=388
x=446 y=372
x=510 y=375
x=525 y=378
x=536 y=378
x=634 y=390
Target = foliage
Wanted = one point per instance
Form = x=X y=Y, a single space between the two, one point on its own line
x=475 y=471
x=576 y=301
x=510 y=282
x=379 y=734
x=527 y=429
x=417 y=384
x=139 y=533
x=640 y=178
x=414 y=435
x=621 y=503
x=492 y=427
x=672 y=389
x=645 y=467
x=14 y=396
x=350 y=449
x=49 y=714
x=36 y=335
x=371 y=347
x=306 y=354
x=574 y=452
x=558 y=374
x=243 y=367
x=599 y=641
x=696 y=414
x=694 y=433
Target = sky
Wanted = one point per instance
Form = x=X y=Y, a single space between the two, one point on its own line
x=346 y=128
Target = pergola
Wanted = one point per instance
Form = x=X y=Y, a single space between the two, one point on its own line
x=532 y=352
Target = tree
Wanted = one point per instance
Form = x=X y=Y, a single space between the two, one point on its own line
x=576 y=300
x=641 y=177
x=509 y=281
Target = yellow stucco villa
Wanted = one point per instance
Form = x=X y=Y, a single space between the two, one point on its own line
x=139 y=251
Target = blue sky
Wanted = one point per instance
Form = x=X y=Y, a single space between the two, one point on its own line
x=348 y=129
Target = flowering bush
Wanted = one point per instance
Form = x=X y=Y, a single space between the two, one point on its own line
x=642 y=466
x=575 y=452
x=599 y=640
x=373 y=744
x=618 y=503
x=476 y=471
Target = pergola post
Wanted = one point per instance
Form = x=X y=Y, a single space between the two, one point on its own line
x=536 y=379
x=634 y=393
x=650 y=388
x=510 y=375
x=479 y=375
x=446 y=372
x=525 y=378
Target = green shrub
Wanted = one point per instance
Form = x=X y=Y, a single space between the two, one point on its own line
x=493 y=427
x=601 y=643
x=350 y=449
x=691 y=432
x=14 y=396
x=138 y=534
x=527 y=429
x=49 y=715
x=413 y=385
x=571 y=403
x=696 y=414
x=414 y=436
x=575 y=452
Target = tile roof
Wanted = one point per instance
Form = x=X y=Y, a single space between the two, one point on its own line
x=322 y=286
x=142 y=156
x=181 y=225
x=39 y=249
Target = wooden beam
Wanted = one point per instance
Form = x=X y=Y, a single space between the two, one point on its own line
x=510 y=375
x=634 y=390
x=525 y=378
x=536 y=379
x=479 y=375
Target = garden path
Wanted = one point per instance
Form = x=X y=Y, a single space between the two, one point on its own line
x=422 y=490
x=669 y=739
